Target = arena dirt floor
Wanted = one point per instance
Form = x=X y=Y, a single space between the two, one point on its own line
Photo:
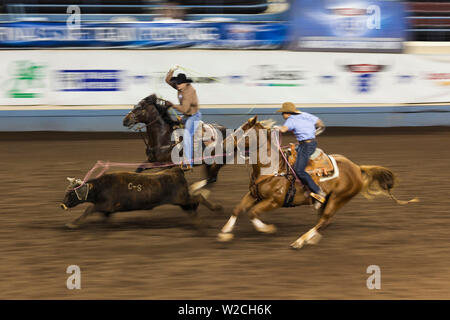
x=159 y=254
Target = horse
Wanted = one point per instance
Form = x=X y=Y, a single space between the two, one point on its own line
x=268 y=192
x=153 y=112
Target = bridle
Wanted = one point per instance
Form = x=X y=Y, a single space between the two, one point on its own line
x=139 y=128
x=147 y=125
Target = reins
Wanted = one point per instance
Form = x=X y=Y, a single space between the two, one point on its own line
x=139 y=128
x=285 y=159
x=147 y=144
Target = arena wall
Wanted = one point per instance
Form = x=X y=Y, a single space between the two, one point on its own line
x=92 y=90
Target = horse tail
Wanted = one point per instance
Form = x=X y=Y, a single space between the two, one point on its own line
x=379 y=180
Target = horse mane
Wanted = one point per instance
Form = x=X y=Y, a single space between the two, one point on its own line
x=162 y=109
x=267 y=124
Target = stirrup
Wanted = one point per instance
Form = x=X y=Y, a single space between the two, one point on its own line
x=186 y=166
x=318 y=197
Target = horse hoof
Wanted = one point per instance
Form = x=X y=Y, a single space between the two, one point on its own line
x=270 y=228
x=315 y=238
x=211 y=180
x=225 y=237
x=72 y=226
x=218 y=207
x=297 y=245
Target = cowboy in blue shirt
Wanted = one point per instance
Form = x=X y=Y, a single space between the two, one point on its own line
x=305 y=127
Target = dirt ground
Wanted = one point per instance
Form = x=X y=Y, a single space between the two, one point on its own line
x=159 y=255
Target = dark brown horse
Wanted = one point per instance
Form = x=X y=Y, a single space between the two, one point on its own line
x=268 y=191
x=153 y=112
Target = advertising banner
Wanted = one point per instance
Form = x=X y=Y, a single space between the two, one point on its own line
x=147 y=35
x=361 y=25
x=221 y=77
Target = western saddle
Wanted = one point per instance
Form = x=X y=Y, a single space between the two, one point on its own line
x=319 y=164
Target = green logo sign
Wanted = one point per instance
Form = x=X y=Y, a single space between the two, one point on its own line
x=25 y=78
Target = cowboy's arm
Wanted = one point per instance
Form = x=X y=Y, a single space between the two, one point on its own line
x=282 y=129
x=287 y=126
x=186 y=103
x=169 y=76
x=181 y=107
x=320 y=127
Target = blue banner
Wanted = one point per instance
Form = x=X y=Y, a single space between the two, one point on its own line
x=160 y=35
x=348 y=25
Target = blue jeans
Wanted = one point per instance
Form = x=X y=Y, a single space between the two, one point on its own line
x=190 y=125
x=304 y=151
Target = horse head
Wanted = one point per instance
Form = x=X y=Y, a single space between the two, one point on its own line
x=251 y=136
x=149 y=110
x=251 y=128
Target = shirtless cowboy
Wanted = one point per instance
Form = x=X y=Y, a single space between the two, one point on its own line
x=189 y=107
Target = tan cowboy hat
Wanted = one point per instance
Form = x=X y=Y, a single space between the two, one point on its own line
x=289 y=107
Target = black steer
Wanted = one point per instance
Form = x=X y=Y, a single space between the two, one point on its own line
x=126 y=191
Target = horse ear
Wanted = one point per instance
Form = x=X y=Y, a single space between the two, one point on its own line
x=71 y=180
x=252 y=121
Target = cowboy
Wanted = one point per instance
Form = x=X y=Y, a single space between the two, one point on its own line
x=305 y=127
x=188 y=106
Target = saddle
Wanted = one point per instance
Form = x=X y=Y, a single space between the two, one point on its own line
x=319 y=164
x=205 y=131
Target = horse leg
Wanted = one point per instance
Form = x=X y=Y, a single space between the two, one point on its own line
x=212 y=171
x=202 y=183
x=264 y=205
x=339 y=205
x=202 y=197
x=76 y=223
x=313 y=236
x=246 y=203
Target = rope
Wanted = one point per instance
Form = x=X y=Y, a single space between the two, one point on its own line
x=139 y=128
x=143 y=137
x=286 y=160
x=199 y=73
x=106 y=165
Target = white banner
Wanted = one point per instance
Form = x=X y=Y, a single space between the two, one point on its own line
x=122 y=77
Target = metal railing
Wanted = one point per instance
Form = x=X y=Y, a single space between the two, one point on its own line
x=270 y=10
x=21 y=7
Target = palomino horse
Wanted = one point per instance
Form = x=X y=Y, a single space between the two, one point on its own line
x=268 y=191
x=153 y=112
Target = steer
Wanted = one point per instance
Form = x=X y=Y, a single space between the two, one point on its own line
x=126 y=191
